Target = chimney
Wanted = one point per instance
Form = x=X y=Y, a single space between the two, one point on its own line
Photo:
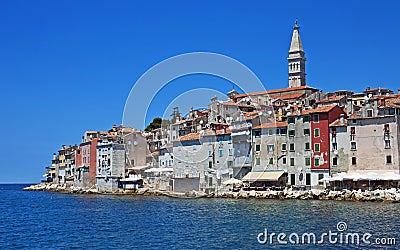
x=299 y=110
x=341 y=119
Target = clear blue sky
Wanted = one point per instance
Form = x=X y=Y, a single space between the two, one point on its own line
x=68 y=66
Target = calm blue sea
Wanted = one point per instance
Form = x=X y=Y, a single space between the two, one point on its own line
x=38 y=220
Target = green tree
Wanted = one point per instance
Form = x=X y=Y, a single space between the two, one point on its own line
x=157 y=123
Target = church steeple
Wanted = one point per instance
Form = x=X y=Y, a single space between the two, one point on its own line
x=296 y=60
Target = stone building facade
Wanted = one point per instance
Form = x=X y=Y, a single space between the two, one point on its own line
x=241 y=133
x=373 y=143
x=207 y=155
x=110 y=165
x=270 y=146
x=308 y=144
x=136 y=147
x=86 y=156
x=340 y=146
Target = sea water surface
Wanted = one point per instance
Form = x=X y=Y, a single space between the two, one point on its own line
x=38 y=220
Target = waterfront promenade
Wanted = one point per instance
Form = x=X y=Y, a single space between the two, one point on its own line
x=389 y=195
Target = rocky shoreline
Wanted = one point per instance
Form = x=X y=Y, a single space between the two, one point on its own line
x=389 y=195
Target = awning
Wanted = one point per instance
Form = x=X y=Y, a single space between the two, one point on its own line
x=366 y=176
x=138 y=168
x=390 y=177
x=133 y=179
x=263 y=176
x=240 y=133
x=336 y=178
x=157 y=170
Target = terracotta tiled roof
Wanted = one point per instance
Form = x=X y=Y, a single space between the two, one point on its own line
x=252 y=113
x=255 y=93
x=355 y=115
x=332 y=99
x=357 y=96
x=319 y=109
x=289 y=89
x=274 y=91
x=377 y=90
x=289 y=96
x=229 y=103
x=243 y=105
x=190 y=137
x=338 y=124
x=392 y=102
x=127 y=130
x=155 y=130
x=219 y=123
x=249 y=118
x=207 y=132
x=91 y=132
x=210 y=132
x=376 y=97
x=180 y=122
x=271 y=125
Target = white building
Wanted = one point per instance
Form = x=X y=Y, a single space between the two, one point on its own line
x=110 y=166
x=340 y=146
x=241 y=134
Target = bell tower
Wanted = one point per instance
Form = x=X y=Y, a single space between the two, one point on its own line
x=296 y=60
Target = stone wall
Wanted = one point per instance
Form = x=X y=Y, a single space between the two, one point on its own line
x=183 y=185
x=81 y=179
x=107 y=184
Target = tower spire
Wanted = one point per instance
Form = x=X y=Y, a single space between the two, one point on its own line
x=296 y=59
